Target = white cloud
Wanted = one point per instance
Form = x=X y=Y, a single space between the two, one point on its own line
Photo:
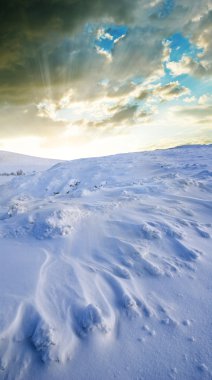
x=166 y=51
x=189 y=99
x=47 y=108
x=101 y=34
x=187 y=66
x=205 y=99
x=119 y=38
x=104 y=53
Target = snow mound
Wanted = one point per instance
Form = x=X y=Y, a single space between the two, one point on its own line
x=44 y=339
x=90 y=318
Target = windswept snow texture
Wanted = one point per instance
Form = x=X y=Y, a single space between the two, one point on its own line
x=106 y=269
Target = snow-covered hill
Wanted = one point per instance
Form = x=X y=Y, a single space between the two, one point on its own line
x=105 y=268
x=12 y=164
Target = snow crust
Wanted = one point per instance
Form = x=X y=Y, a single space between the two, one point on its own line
x=105 y=267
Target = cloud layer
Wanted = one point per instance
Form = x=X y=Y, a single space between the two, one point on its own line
x=98 y=65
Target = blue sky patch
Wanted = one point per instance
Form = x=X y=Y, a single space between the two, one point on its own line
x=180 y=46
x=108 y=36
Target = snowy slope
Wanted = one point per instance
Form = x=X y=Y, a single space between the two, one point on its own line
x=11 y=163
x=105 y=269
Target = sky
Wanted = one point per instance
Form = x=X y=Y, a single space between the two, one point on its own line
x=82 y=78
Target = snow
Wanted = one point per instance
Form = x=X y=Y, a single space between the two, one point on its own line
x=105 y=267
x=12 y=164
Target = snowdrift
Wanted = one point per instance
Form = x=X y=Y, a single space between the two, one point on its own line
x=105 y=268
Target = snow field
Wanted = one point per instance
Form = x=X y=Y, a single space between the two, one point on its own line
x=106 y=264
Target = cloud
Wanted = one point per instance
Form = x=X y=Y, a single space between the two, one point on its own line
x=170 y=91
x=205 y=99
x=143 y=94
x=199 y=30
x=25 y=23
x=120 y=89
x=188 y=66
x=52 y=43
x=107 y=38
x=166 y=51
x=197 y=113
x=20 y=121
x=105 y=53
x=119 y=103
x=50 y=59
x=189 y=99
x=35 y=39
x=123 y=114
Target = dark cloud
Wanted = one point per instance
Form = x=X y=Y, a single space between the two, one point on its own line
x=119 y=89
x=37 y=51
x=20 y=121
x=123 y=114
x=31 y=31
x=143 y=95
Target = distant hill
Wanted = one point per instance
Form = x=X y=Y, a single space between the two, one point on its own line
x=14 y=161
